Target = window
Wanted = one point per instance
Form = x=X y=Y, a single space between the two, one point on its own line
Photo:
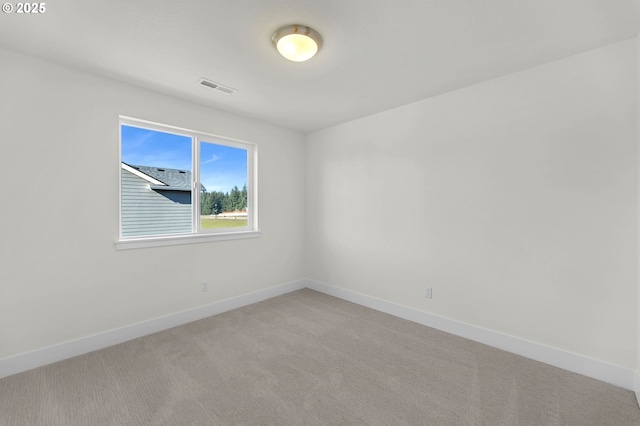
x=179 y=186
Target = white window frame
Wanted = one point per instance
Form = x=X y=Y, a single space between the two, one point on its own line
x=197 y=235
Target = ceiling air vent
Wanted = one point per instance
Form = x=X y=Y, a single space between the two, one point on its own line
x=217 y=86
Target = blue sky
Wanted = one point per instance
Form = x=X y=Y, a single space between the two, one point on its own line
x=221 y=167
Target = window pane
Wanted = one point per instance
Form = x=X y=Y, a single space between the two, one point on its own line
x=156 y=183
x=223 y=196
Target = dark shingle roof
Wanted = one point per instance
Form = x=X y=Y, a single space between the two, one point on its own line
x=173 y=178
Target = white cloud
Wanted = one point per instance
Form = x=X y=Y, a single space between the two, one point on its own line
x=210 y=160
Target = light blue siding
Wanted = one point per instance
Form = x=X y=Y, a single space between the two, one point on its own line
x=147 y=212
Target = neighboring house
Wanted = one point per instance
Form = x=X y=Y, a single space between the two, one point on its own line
x=155 y=201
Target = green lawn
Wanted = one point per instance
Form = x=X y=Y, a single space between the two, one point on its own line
x=210 y=222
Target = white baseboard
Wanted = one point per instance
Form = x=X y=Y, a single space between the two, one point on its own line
x=590 y=367
x=26 y=361
x=600 y=370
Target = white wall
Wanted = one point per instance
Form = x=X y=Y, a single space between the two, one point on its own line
x=61 y=277
x=515 y=199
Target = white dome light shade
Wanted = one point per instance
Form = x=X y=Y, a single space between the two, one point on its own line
x=297 y=47
x=297 y=43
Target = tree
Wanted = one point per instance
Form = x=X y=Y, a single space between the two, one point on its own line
x=216 y=202
x=243 y=198
x=226 y=203
x=206 y=203
x=218 y=198
x=234 y=199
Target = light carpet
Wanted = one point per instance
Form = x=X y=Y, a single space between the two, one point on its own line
x=307 y=358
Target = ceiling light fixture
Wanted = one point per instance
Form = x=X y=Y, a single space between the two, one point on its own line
x=297 y=43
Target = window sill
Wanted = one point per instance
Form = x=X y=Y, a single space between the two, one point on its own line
x=184 y=239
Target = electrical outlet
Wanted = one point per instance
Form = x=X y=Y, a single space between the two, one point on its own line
x=427 y=292
x=204 y=287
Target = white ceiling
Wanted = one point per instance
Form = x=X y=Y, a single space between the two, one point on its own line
x=377 y=54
